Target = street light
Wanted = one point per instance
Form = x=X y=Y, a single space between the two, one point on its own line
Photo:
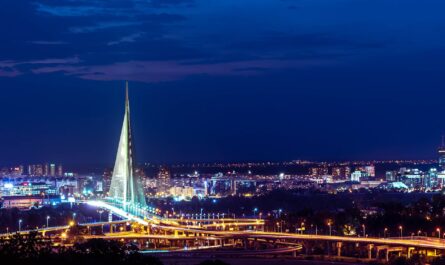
x=20 y=225
x=47 y=221
x=438 y=232
x=100 y=214
x=330 y=228
x=401 y=231
x=254 y=210
x=364 y=230
x=384 y=232
x=74 y=216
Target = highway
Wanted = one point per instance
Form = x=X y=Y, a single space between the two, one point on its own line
x=420 y=242
x=174 y=230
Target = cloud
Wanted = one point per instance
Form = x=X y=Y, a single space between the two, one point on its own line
x=159 y=40
x=9 y=72
x=104 y=25
x=9 y=68
x=168 y=3
x=42 y=42
x=129 y=38
x=160 y=71
x=309 y=45
x=74 y=11
x=71 y=60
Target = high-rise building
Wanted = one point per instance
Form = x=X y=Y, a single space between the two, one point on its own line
x=60 y=170
x=106 y=179
x=38 y=170
x=441 y=153
x=46 y=169
x=52 y=170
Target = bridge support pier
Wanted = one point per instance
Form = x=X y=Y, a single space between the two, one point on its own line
x=370 y=247
x=339 y=246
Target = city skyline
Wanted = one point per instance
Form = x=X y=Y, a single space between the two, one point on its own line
x=280 y=88
x=261 y=132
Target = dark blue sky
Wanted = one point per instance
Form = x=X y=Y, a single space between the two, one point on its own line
x=222 y=80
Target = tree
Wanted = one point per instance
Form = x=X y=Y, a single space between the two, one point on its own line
x=213 y=262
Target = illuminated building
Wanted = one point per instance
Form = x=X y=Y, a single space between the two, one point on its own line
x=390 y=176
x=182 y=192
x=356 y=176
x=441 y=153
x=46 y=170
x=370 y=171
x=347 y=171
x=60 y=170
x=340 y=172
x=413 y=178
x=106 y=179
x=163 y=184
x=26 y=202
x=164 y=173
x=430 y=180
x=318 y=171
x=336 y=172
x=27 y=189
x=38 y=170
x=52 y=170
x=17 y=171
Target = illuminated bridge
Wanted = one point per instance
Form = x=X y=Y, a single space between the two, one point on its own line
x=128 y=201
x=140 y=224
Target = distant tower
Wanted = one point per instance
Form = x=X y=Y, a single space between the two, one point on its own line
x=46 y=170
x=441 y=153
x=125 y=184
x=60 y=170
x=52 y=170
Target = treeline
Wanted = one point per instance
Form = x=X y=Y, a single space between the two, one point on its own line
x=35 y=250
x=422 y=217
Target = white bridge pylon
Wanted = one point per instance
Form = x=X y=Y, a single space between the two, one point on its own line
x=126 y=186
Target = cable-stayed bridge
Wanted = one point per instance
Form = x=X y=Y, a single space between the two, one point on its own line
x=127 y=200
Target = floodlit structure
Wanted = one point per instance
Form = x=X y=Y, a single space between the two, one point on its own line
x=126 y=187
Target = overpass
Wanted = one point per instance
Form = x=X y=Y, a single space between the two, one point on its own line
x=127 y=201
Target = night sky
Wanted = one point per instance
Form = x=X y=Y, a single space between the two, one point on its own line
x=221 y=80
